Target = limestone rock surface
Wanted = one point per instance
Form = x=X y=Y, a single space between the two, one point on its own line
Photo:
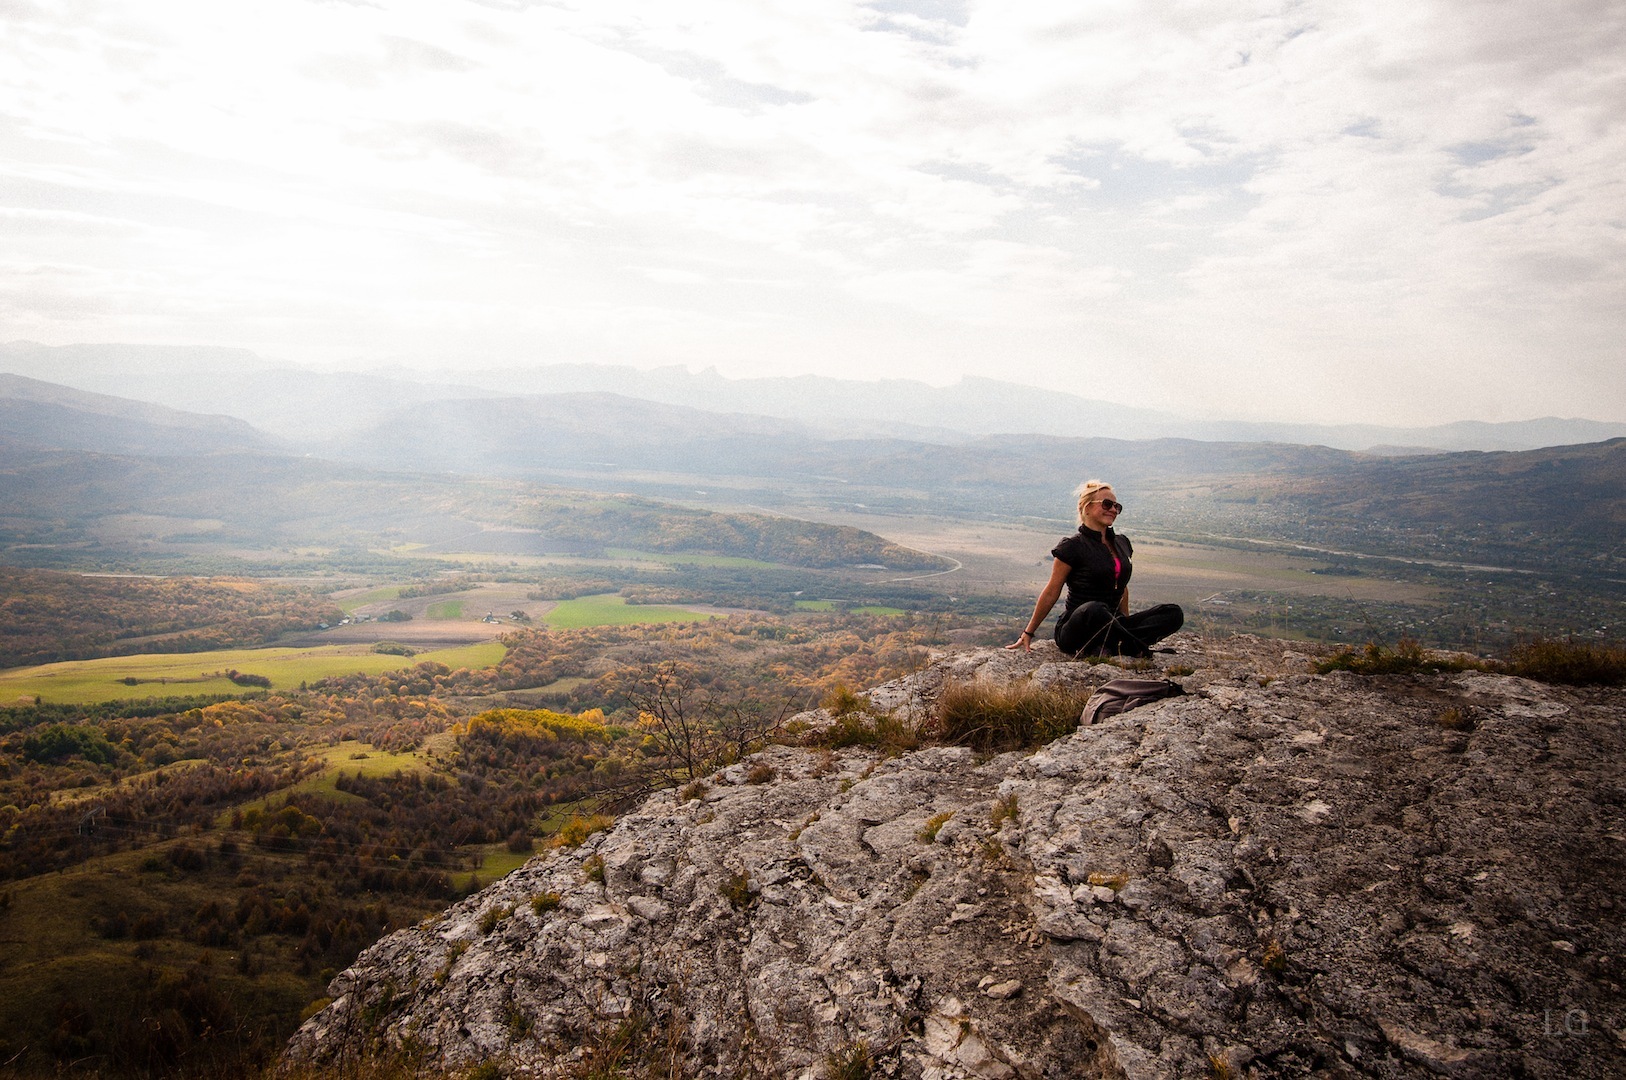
x=1277 y=874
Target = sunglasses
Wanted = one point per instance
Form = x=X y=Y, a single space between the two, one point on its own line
x=1109 y=504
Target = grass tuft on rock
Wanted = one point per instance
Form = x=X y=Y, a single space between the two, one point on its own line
x=1005 y=809
x=738 y=892
x=859 y=723
x=1407 y=657
x=1576 y=663
x=934 y=824
x=854 y=1061
x=1006 y=717
x=1549 y=660
x=575 y=832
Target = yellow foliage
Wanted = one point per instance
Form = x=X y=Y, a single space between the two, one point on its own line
x=542 y=724
x=575 y=831
x=231 y=712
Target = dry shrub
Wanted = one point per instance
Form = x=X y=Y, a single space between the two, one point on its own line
x=854 y=1061
x=859 y=723
x=840 y=700
x=493 y=916
x=576 y=831
x=1454 y=719
x=1577 y=663
x=886 y=733
x=406 y=1063
x=737 y=890
x=993 y=717
x=934 y=824
x=1408 y=657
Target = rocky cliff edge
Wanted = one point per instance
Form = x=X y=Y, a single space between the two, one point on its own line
x=1277 y=874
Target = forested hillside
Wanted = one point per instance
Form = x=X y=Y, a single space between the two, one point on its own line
x=1564 y=506
x=46 y=416
x=46 y=616
x=253 y=511
x=426 y=483
x=179 y=879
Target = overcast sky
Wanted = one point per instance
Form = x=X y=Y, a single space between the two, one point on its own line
x=1396 y=211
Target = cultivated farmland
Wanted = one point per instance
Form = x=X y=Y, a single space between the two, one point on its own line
x=612 y=610
x=118 y=678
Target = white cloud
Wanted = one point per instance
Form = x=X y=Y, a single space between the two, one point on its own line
x=1321 y=209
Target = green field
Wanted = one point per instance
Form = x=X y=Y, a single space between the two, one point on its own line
x=496 y=861
x=349 y=757
x=446 y=609
x=689 y=560
x=608 y=609
x=372 y=596
x=171 y=674
x=830 y=605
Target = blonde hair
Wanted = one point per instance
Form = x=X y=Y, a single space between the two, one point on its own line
x=1086 y=494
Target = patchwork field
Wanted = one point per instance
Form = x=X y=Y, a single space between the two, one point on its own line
x=608 y=609
x=353 y=758
x=353 y=599
x=830 y=605
x=118 y=678
x=499 y=599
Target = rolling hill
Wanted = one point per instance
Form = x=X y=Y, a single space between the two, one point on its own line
x=91 y=472
x=41 y=415
x=301 y=403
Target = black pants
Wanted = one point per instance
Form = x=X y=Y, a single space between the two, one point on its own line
x=1093 y=629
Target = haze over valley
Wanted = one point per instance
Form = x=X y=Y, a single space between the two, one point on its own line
x=433 y=477
x=520 y=526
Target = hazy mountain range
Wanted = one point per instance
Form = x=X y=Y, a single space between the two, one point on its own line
x=68 y=453
x=45 y=415
x=303 y=405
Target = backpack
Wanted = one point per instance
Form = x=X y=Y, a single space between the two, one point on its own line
x=1121 y=695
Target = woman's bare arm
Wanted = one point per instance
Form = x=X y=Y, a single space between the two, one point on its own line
x=1047 y=600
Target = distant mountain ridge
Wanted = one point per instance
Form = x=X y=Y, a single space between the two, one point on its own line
x=304 y=404
x=598 y=439
x=980 y=406
x=538 y=435
x=46 y=416
x=1494 y=508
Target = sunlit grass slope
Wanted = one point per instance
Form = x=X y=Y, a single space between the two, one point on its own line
x=830 y=605
x=608 y=609
x=372 y=596
x=169 y=674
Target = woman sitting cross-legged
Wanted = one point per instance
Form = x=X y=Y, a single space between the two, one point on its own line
x=1094 y=565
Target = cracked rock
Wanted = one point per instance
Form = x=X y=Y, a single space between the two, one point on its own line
x=1290 y=874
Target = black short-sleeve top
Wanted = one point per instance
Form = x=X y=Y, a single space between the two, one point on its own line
x=1097 y=572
